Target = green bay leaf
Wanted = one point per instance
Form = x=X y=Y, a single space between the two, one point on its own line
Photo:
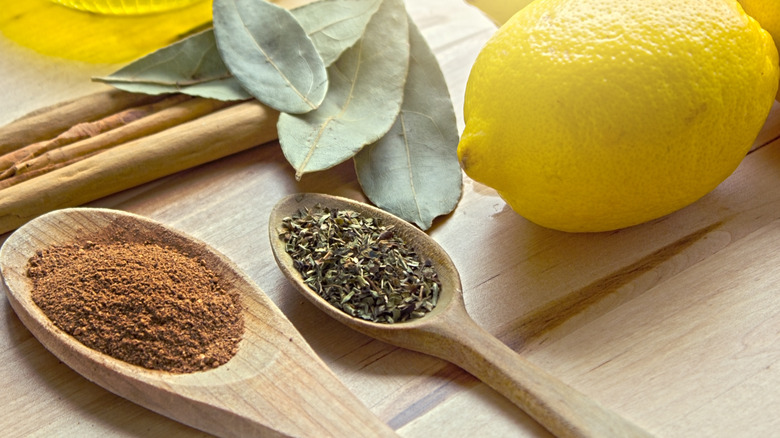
x=270 y=54
x=191 y=66
x=363 y=100
x=194 y=66
x=335 y=25
x=413 y=171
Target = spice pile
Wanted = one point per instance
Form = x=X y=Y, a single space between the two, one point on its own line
x=359 y=265
x=144 y=304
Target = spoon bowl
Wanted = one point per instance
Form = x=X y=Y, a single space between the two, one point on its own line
x=275 y=385
x=449 y=333
x=404 y=334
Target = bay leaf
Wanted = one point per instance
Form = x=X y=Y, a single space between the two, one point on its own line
x=191 y=66
x=366 y=90
x=335 y=25
x=194 y=66
x=270 y=55
x=413 y=171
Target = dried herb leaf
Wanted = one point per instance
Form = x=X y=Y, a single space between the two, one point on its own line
x=359 y=265
x=413 y=171
x=335 y=25
x=270 y=54
x=191 y=66
x=366 y=90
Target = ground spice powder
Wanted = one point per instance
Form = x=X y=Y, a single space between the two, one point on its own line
x=143 y=303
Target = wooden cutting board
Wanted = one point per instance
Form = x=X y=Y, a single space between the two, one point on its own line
x=702 y=345
x=673 y=323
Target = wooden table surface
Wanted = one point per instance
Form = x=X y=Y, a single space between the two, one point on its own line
x=674 y=324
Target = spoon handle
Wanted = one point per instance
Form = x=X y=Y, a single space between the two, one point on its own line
x=560 y=408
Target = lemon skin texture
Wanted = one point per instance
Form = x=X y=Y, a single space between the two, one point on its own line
x=767 y=13
x=594 y=115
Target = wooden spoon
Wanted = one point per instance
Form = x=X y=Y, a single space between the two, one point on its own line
x=449 y=333
x=274 y=386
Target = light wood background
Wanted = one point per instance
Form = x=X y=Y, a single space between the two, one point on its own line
x=674 y=324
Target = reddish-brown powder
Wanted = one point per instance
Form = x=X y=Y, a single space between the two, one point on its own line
x=142 y=303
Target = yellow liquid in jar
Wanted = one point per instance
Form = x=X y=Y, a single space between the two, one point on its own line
x=126 y=7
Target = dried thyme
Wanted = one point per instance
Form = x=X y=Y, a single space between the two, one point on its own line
x=359 y=265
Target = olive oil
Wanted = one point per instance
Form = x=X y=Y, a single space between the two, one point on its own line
x=126 y=7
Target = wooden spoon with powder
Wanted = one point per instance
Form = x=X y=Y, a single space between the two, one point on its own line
x=275 y=385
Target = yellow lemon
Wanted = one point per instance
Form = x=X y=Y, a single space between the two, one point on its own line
x=767 y=13
x=54 y=30
x=594 y=115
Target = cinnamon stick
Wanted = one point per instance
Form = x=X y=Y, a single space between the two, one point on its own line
x=24 y=176
x=119 y=128
x=130 y=164
x=80 y=131
x=48 y=122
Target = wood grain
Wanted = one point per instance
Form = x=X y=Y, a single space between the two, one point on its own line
x=679 y=354
x=275 y=385
x=449 y=333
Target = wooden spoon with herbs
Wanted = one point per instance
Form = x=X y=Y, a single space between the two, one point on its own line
x=446 y=331
x=274 y=385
